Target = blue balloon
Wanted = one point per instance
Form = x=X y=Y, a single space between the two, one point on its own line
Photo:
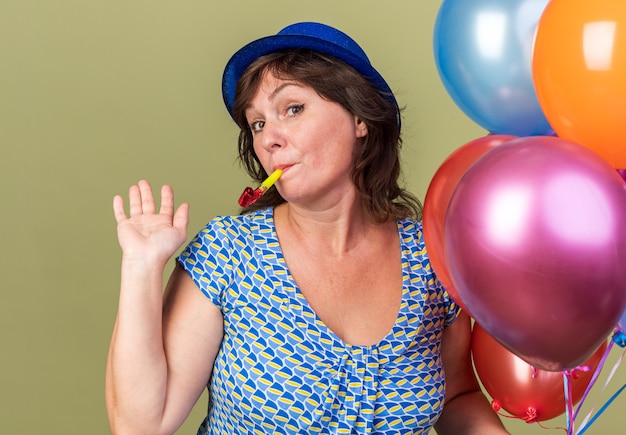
x=483 y=51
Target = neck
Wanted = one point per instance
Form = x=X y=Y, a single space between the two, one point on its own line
x=336 y=231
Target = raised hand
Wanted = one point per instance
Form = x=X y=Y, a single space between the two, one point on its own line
x=147 y=235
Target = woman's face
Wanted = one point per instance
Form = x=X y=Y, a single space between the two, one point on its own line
x=311 y=139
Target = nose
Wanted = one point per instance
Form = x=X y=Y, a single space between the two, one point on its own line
x=272 y=137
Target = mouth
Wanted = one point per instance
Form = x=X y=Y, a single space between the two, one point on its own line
x=283 y=168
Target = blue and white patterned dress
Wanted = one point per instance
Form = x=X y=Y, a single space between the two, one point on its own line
x=280 y=370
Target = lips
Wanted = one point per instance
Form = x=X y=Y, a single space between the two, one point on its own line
x=283 y=167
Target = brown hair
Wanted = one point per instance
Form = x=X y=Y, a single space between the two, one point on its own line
x=376 y=168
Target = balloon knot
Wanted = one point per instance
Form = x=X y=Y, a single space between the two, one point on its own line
x=575 y=372
x=531 y=415
x=496 y=405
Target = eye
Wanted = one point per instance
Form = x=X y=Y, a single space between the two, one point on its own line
x=257 y=126
x=295 y=109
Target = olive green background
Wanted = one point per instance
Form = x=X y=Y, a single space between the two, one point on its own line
x=95 y=95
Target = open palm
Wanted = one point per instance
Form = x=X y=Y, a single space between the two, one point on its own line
x=146 y=234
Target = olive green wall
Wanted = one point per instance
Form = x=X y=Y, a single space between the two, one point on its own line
x=97 y=94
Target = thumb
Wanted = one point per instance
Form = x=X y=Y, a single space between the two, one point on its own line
x=181 y=217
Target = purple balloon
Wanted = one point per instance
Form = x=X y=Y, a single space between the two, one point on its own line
x=535 y=241
x=621 y=324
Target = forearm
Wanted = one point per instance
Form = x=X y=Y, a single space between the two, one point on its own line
x=136 y=378
x=469 y=414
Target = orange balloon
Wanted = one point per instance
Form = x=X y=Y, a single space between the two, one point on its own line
x=438 y=196
x=524 y=391
x=579 y=73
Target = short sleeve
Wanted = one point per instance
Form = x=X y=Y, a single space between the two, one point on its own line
x=453 y=308
x=208 y=260
x=450 y=307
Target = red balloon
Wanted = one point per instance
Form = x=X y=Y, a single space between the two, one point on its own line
x=524 y=391
x=535 y=242
x=438 y=196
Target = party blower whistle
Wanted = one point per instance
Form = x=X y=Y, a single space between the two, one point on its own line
x=250 y=196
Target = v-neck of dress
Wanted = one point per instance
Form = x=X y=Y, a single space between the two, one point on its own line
x=313 y=320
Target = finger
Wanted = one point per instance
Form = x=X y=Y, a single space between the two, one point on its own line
x=134 y=199
x=181 y=217
x=147 y=199
x=167 y=201
x=118 y=209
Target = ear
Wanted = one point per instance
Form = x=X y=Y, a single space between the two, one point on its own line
x=360 y=128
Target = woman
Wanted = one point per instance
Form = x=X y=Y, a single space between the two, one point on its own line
x=315 y=310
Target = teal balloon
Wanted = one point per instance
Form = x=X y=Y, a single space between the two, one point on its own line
x=483 y=52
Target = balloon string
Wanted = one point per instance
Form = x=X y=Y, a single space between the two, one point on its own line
x=569 y=406
x=593 y=378
x=546 y=427
x=584 y=425
x=601 y=410
x=530 y=417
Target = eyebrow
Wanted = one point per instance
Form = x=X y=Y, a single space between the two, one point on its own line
x=276 y=91
x=282 y=86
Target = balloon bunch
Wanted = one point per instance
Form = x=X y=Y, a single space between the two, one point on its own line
x=526 y=227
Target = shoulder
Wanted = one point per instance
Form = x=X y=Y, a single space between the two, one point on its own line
x=225 y=235
x=411 y=234
x=230 y=226
x=222 y=249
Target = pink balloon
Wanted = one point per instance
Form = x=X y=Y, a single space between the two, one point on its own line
x=438 y=196
x=535 y=242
